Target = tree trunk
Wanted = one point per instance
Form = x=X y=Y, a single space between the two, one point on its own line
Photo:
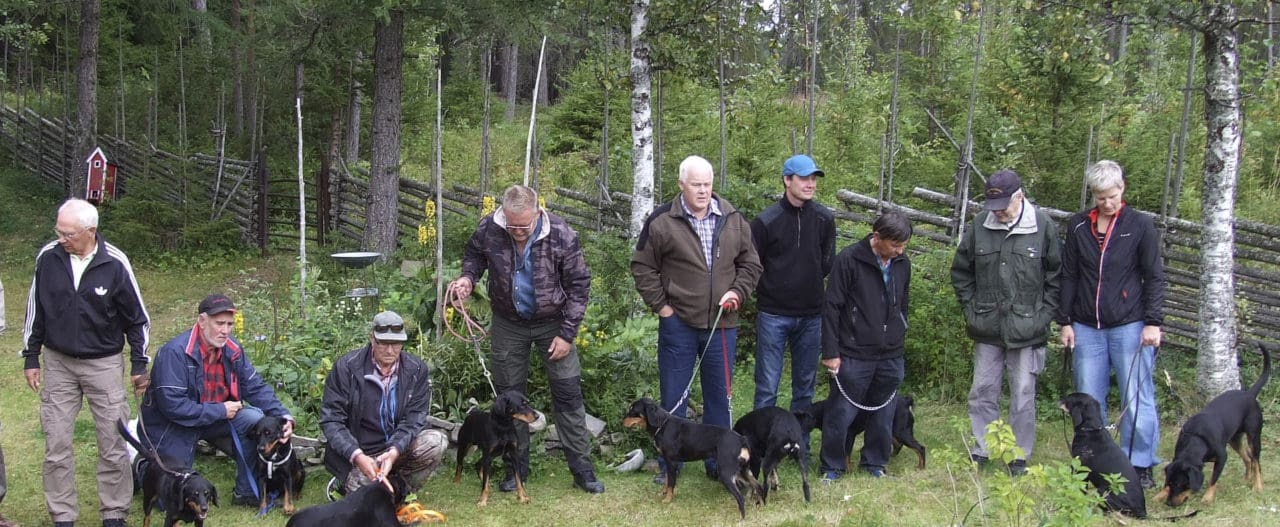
x=237 y=76
x=204 y=39
x=486 y=67
x=353 y=112
x=86 y=94
x=384 y=155
x=250 y=87
x=1216 y=369
x=510 y=78
x=544 y=75
x=328 y=159
x=641 y=120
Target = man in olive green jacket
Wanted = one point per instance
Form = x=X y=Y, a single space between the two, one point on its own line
x=1006 y=276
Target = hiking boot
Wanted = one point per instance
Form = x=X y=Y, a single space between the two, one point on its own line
x=114 y=522
x=588 y=483
x=244 y=500
x=509 y=482
x=1144 y=478
x=979 y=460
x=1018 y=467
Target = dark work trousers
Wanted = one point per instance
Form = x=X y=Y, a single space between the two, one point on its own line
x=511 y=342
x=868 y=383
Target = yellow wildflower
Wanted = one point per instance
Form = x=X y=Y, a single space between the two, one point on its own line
x=424 y=235
x=239 y=322
x=542 y=202
x=429 y=208
x=488 y=205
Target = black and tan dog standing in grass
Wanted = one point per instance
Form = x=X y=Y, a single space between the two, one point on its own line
x=494 y=434
x=185 y=495
x=679 y=440
x=1233 y=418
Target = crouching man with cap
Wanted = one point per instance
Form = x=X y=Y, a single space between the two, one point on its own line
x=203 y=387
x=374 y=415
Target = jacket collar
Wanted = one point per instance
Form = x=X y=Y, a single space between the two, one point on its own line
x=231 y=350
x=862 y=251
x=1026 y=223
x=677 y=205
x=544 y=219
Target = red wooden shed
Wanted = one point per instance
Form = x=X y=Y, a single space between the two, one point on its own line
x=101 y=185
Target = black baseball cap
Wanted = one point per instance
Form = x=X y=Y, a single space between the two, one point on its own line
x=215 y=304
x=1001 y=187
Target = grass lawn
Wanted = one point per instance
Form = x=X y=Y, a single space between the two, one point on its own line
x=942 y=494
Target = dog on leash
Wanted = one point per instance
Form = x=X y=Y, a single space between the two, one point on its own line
x=773 y=434
x=1233 y=418
x=373 y=505
x=904 y=427
x=679 y=440
x=184 y=495
x=1101 y=455
x=276 y=468
x=494 y=434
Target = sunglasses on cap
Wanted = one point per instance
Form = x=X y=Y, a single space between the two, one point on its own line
x=394 y=328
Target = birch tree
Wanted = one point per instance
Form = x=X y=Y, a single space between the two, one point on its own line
x=1216 y=369
x=641 y=119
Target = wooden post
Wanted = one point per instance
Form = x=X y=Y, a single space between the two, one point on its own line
x=264 y=198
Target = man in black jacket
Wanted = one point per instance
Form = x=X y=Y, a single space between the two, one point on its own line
x=84 y=304
x=864 y=327
x=796 y=240
x=374 y=412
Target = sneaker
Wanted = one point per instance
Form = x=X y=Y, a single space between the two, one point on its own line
x=1144 y=478
x=588 y=483
x=830 y=476
x=660 y=479
x=876 y=472
x=244 y=500
x=1018 y=467
x=979 y=460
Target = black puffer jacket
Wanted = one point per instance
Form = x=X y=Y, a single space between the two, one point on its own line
x=862 y=317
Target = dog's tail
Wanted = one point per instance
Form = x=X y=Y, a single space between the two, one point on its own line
x=147 y=453
x=1266 y=372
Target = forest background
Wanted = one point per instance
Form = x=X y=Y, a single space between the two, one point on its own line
x=886 y=96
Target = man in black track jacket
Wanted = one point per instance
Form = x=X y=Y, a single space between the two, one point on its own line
x=84 y=304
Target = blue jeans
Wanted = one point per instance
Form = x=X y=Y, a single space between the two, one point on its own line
x=773 y=333
x=1098 y=352
x=868 y=383
x=678 y=348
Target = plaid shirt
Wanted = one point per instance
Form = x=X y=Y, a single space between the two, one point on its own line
x=705 y=227
x=215 y=375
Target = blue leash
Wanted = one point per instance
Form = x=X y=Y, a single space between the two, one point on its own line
x=235 y=438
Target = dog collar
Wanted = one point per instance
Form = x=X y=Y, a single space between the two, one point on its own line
x=271 y=465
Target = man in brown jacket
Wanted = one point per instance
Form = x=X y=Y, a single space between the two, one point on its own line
x=694 y=257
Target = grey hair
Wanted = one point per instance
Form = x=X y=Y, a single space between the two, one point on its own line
x=691 y=163
x=1103 y=175
x=519 y=198
x=84 y=212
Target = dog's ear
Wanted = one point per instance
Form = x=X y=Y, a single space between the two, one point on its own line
x=1077 y=410
x=213 y=494
x=500 y=405
x=1195 y=479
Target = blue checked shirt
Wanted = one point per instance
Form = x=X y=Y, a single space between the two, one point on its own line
x=705 y=227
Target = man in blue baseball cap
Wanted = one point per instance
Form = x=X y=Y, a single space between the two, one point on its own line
x=796 y=239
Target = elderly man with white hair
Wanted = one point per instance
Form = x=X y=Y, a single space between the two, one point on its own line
x=83 y=306
x=695 y=262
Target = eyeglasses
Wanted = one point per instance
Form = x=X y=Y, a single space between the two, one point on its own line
x=394 y=328
x=528 y=227
x=64 y=236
